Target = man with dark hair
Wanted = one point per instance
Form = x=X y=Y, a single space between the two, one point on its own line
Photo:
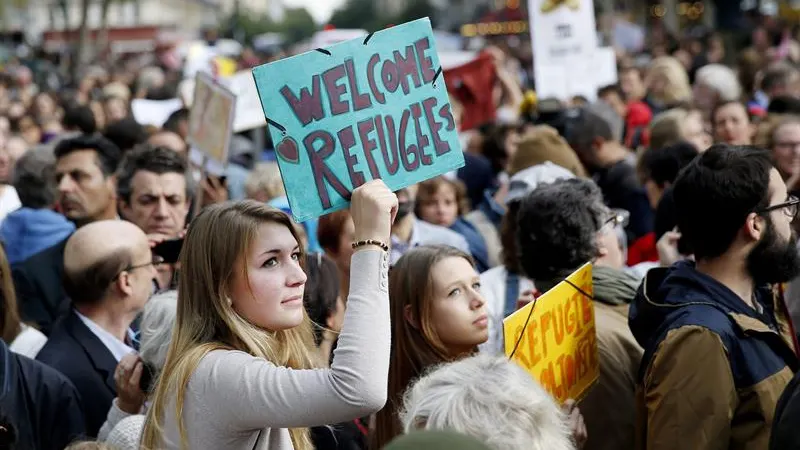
x=560 y=227
x=84 y=174
x=178 y=122
x=598 y=145
x=79 y=118
x=659 y=167
x=153 y=190
x=108 y=274
x=85 y=167
x=125 y=133
x=155 y=195
x=719 y=345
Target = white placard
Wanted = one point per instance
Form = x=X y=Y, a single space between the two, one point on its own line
x=563 y=35
x=154 y=112
x=248 y=113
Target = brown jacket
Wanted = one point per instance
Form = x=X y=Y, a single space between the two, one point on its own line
x=713 y=368
x=609 y=407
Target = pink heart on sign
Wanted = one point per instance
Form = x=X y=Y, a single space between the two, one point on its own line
x=287 y=149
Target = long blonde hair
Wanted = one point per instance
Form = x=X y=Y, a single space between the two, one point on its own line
x=676 y=81
x=216 y=241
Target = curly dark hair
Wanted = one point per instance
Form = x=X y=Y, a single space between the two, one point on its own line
x=556 y=227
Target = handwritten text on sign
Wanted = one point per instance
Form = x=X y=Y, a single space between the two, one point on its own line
x=374 y=107
x=559 y=345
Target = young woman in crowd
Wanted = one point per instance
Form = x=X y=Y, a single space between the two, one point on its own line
x=240 y=369
x=438 y=315
x=783 y=140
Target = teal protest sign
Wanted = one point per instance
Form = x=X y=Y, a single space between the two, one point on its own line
x=373 y=107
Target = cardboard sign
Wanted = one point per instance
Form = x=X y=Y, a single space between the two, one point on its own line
x=558 y=346
x=372 y=107
x=211 y=118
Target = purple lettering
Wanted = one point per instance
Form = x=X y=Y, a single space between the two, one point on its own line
x=348 y=141
x=336 y=91
x=406 y=66
x=425 y=63
x=373 y=86
x=405 y=152
x=444 y=113
x=309 y=106
x=388 y=143
x=422 y=139
x=365 y=127
x=439 y=145
x=360 y=100
x=321 y=171
x=389 y=76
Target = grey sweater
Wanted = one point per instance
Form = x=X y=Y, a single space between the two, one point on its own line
x=235 y=401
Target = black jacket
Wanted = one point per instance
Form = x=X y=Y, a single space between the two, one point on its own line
x=40 y=292
x=41 y=403
x=75 y=351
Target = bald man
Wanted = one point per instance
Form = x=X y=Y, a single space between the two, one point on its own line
x=108 y=274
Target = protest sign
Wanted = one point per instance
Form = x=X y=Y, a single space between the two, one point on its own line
x=555 y=337
x=211 y=118
x=249 y=114
x=372 y=107
x=154 y=112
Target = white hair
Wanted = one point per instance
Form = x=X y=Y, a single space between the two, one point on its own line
x=156 y=328
x=722 y=80
x=489 y=398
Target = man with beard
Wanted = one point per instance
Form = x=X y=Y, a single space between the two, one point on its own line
x=409 y=232
x=719 y=346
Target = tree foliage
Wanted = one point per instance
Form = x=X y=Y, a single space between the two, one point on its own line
x=297 y=24
x=364 y=14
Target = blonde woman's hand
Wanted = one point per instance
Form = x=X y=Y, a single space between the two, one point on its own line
x=373 y=207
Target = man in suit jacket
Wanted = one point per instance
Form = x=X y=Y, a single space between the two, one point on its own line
x=109 y=282
x=42 y=405
x=85 y=167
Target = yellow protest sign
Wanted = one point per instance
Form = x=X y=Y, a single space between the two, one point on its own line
x=558 y=346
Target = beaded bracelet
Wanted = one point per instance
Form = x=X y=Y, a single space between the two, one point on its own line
x=380 y=244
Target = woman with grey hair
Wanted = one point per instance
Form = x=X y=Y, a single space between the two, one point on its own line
x=136 y=374
x=512 y=412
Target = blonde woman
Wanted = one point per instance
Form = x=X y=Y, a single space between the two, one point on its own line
x=679 y=124
x=240 y=368
x=667 y=84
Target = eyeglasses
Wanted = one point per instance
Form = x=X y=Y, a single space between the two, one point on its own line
x=790 y=207
x=618 y=218
x=155 y=262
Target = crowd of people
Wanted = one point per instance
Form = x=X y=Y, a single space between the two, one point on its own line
x=147 y=303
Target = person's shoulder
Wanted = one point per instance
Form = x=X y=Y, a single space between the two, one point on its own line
x=43 y=376
x=127 y=432
x=34 y=262
x=436 y=234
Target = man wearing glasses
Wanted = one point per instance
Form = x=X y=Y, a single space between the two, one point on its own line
x=719 y=345
x=108 y=274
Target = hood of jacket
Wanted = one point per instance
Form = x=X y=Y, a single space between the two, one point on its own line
x=26 y=229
